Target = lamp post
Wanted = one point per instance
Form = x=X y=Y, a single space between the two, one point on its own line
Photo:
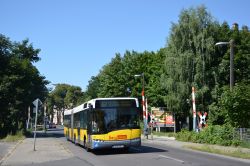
x=231 y=44
x=145 y=123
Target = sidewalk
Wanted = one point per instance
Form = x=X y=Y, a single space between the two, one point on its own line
x=47 y=149
x=6 y=149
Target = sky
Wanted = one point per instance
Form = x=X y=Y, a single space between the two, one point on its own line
x=78 y=37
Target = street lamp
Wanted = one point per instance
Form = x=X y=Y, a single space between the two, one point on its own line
x=231 y=43
x=145 y=123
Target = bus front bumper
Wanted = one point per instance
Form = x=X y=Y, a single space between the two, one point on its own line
x=97 y=144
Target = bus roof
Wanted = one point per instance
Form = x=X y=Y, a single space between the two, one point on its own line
x=67 y=112
x=93 y=101
x=78 y=108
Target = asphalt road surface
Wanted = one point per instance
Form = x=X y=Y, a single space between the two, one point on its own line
x=149 y=154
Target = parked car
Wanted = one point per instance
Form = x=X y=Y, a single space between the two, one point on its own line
x=52 y=125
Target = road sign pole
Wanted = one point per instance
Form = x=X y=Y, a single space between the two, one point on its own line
x=36 y=105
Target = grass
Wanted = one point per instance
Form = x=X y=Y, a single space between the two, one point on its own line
x=233 y=153
x=166 y=134
x=245 y=144
x=13 y=138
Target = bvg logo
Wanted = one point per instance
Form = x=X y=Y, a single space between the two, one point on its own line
x=118 y=137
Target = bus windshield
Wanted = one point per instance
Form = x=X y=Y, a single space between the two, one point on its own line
x=108 y=119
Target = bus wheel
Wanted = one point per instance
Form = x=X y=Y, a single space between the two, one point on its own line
x=74 y=139
x=85 y=146
x=88 y=149
x=67 y=136
x=84 y=142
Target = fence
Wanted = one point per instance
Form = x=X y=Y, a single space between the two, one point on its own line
x=242 y=134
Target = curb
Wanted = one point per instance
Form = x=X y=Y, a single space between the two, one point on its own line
x=10 y=151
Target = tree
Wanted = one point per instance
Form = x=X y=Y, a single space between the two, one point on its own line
x=112 y=79
x=63 y=97
x=234 y=105
x=218 y=111
x=117 y=77
x=93 y=88
x=189 y=60
x=155 y=91
x=20 y=83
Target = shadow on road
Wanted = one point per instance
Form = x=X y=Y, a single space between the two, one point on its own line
x=56 y=133
x=132 y=150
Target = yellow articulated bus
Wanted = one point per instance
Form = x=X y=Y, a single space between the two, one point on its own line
x=104 y=123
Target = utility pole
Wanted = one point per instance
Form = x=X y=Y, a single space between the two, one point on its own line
x=231 y=64
x=232 y=45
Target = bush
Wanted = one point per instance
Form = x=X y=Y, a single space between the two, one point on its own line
x=185 y=135
x=214 y=134
x=232 y=107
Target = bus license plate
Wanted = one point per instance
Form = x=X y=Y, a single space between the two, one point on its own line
x=117 y=146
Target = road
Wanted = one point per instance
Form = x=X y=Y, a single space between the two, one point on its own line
x=149 y=154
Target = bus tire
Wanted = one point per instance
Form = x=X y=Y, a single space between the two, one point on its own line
x=75 y=139
x=84 y=142
x=88 y=149
x=67 y=137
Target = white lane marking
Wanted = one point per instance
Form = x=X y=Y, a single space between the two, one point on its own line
x=171 y=158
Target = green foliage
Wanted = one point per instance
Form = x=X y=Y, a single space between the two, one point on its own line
x=20 y=83
x=193 y=60
x=117 y=77
x=13 y=138
x=214 y=134
x=93 y=88
x=233 y=106
x=63 y=97
x=166 y=134
x=189 y=60
x=112 y=78
x=245 y=144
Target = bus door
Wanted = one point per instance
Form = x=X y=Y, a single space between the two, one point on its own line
x=79 y=126
x=78 y=132
x=89 y=125
x=72 y=127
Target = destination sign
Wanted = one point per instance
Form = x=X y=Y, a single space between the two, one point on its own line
x=115 y=103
